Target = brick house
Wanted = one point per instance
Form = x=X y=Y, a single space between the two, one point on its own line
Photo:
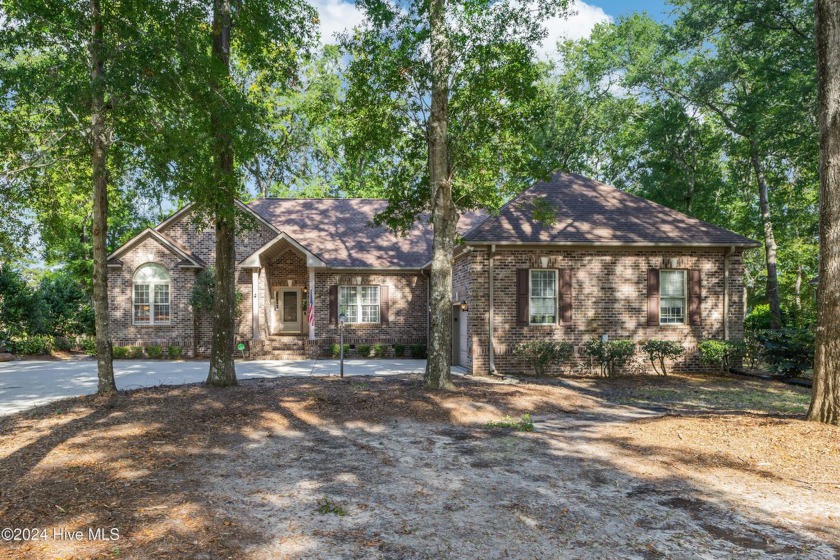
x=598 y=262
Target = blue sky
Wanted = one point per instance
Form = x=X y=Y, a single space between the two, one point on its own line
x=655 y=8
x=338 y=15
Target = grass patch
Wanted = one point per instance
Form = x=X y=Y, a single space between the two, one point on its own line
x=327 y=506
x=521 y=424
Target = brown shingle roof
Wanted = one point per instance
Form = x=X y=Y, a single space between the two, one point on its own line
x=337 y=231
x=590 y=212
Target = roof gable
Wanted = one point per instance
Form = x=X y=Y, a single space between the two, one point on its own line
x=189 y=259
x=587 y=212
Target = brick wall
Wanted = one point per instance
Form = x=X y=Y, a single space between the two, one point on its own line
x=609 y=297
x=120 y=287
x=407 y=309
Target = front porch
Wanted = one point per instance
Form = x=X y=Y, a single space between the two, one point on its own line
x=282 y=277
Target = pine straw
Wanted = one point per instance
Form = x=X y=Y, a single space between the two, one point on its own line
x=135 y=461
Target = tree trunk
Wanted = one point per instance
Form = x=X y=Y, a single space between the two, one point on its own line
x=825 y=400
x=100 y=140
x=222 y=368
x=444 y=216
x=770 y=247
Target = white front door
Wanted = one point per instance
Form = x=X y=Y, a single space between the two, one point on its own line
x=286 y=310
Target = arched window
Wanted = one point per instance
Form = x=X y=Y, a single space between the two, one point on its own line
x=151 y=295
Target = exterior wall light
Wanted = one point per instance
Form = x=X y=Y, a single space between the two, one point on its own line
x=465 y=306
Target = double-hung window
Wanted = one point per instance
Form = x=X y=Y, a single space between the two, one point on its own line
x=672 y=297
x=151 y=295
x=543 y=296
x=359 y=304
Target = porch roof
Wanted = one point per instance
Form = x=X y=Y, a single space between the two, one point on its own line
x=277 y=246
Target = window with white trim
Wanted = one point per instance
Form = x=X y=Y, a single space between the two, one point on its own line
x=359 y=304
x=672 y=297
x=543 y=296
x=151 y=295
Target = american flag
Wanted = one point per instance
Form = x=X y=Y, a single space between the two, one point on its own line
x=311 y=308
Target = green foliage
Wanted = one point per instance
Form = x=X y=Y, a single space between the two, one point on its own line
x=128 y=352
x=87 y=344
x=522 y=424
x=203 y=292
x=492 y=103
x=758 y=318
x=418 y=351
x=32 y=344
x=154 y=352
x=788 y=352
x=541 y=355
x=380 y=350
x=326 y=506
x=399 y=350
x=174 y=352
x=720 y=353
x=660 y=350
x=335 y=350
x=363 y=350
x=611 y=356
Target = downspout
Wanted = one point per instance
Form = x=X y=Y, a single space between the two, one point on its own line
x=726 y=256
x=491 y=351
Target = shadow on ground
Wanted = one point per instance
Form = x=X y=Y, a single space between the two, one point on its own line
x=369 y=467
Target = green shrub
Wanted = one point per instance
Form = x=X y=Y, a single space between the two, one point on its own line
x=32 y=345
x=154 y=352
x=174 y=352
x=720 y=353
x=335 y=350
x=660 y=350
x=788 y=352
x=121 y=352
x=399 y=350
x=363 y=350
x=88 y=345
x=610 y=356
x=63 y=343
x=418 y=351
x=759 y=318
x=135 y=352
x=542 y=354
x=380 y=350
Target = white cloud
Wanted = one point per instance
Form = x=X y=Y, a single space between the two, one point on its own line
x=583 y=18
x=336 y=16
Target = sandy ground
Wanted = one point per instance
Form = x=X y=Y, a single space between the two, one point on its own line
x=378 y=468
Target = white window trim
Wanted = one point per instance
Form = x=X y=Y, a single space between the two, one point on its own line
x=359 y=303
x=151 y=322
x=684 y=298
x=556 y=296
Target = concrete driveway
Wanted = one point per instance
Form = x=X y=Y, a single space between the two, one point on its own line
x=27 y=384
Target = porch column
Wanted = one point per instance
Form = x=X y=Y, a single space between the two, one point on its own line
x=255 y=303
x=312 y=298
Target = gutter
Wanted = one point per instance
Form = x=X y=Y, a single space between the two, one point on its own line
x=490 y=350
x=613 y=244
